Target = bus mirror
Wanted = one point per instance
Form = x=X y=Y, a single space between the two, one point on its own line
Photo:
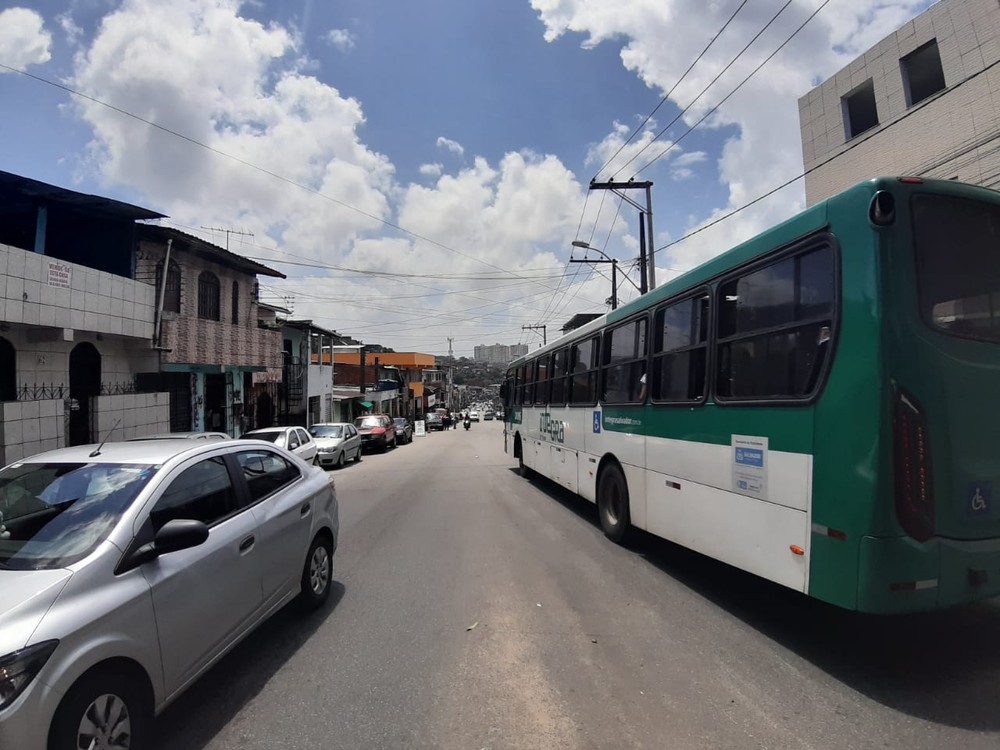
x=882 y=211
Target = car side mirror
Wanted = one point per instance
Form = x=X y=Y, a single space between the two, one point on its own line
x=181 y=533
x=173 y=536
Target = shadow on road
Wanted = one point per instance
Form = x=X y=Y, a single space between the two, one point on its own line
x=215 y=699
x=940 y=666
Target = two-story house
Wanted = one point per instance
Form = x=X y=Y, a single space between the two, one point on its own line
x=208 y=331
x=75 y=323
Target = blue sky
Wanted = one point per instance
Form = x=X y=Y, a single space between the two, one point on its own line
x=473 y=126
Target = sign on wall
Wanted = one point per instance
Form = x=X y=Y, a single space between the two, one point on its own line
x=60 y=275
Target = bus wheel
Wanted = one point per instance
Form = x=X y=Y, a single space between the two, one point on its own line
x=612 y=503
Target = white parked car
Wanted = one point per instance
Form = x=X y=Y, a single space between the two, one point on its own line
x=126 y=572
x=337 y=443
x=294 y=439
x=474 y=415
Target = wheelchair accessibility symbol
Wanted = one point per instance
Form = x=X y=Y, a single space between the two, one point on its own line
x=980 y=499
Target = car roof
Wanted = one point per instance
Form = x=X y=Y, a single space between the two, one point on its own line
x=329 y=424
x=150 y=452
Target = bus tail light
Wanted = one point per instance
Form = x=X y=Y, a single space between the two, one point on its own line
x=912 y=464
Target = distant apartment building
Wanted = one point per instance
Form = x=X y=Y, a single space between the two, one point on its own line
x=925 y=101
x=499 y=354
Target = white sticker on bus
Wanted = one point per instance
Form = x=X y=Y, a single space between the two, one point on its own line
x=750 y=465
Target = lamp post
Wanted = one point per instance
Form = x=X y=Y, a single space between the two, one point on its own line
x=606 y=259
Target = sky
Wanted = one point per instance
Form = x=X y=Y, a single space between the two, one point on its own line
x=419 y=168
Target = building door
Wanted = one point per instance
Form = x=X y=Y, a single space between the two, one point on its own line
x=84 y=386
x=215 y=403
x=8 y=371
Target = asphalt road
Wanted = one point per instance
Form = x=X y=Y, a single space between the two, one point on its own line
x=474 y=609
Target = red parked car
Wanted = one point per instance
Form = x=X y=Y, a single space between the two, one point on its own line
x=377 y=431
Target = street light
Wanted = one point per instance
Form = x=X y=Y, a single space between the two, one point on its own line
x=607 y=259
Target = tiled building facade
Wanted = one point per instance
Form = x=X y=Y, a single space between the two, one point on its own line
x=925 y=101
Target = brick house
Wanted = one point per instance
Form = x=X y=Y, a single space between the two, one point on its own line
x=211 y=334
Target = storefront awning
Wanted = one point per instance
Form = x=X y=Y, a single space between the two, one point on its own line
x=367 y=404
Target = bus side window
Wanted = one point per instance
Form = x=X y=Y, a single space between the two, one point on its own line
x=774 y=328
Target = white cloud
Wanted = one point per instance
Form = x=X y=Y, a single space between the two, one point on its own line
x=764 y=148
x=24 y=40
x=342 y=39
x=431 y=170
x=449 y=145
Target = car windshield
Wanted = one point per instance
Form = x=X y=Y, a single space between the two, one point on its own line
x=400 y=421
x=367 y=422
x=52 y=515
x=271 y=435
x=327 y=430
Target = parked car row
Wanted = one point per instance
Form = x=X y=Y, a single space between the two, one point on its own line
x=128 y=569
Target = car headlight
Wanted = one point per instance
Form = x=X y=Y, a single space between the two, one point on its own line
x=18 y=669
x=328 y=449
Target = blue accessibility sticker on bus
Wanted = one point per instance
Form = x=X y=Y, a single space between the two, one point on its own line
x=597 y=421
x=750 y=456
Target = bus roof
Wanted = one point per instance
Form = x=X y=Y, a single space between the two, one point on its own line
x=806 y=222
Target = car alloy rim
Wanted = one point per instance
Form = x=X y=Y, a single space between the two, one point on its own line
x=319 y=570
x=105 y=725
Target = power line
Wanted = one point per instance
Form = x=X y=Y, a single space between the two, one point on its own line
x=669 y=93
x=812 y=169
x=738 y=86
x=251 y=165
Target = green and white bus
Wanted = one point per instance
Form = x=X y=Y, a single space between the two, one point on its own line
x=819 y=406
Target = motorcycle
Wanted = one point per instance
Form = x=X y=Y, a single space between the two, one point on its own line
x=467 y=423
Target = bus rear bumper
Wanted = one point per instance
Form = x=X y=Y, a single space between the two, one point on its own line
x=902 y=575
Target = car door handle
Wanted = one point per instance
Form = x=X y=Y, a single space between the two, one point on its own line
x=247 y=543
x=305 y=510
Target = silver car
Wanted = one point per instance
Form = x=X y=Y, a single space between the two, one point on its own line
x=128 y=570
x=294 y=439
x=337 y=443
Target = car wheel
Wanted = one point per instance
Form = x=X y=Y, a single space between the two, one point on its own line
x=612 y=503
x=106 y=709
x=357 y=457
x=341 y=460
x=317 y=574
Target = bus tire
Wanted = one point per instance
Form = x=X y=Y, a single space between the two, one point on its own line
x=612 y=503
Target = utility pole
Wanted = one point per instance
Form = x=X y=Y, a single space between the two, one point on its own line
x=228 y=232
x=450 y=352
x=535 y=328
x=647 y=265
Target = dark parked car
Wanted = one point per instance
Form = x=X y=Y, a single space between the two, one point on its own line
x=377 y=431
x=404 y=430
x=433 y=422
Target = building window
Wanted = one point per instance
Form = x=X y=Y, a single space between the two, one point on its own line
x=208 y=296
x=923 y=75
x=172 y=293
x=236 y=303
x=859 y=109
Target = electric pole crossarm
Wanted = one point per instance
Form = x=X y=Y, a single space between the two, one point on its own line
x=535 y=328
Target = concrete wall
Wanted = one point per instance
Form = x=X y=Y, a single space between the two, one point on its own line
x=140 y=413
x=39 y=290
x=31 y=427
x=952 y=134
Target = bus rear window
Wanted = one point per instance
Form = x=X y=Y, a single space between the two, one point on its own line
x=957 y=244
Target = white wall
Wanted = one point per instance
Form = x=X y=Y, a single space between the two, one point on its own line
x=140 y=414
x=31 y=427
x=94 y=301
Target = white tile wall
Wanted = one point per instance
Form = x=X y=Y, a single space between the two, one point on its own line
x=140 y=414
x=94 y=302
x=31 y=427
